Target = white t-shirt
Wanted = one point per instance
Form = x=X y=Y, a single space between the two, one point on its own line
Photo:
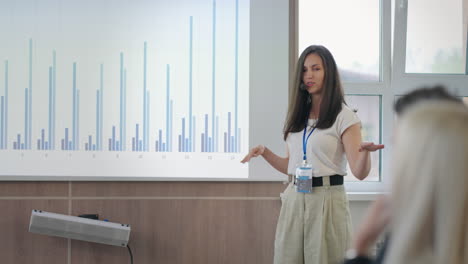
x=325 y=150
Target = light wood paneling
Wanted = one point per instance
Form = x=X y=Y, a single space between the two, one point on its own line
x=233 y=222
x=184 y=231
x=178 y=189
x=18 y=245
x=33 y=189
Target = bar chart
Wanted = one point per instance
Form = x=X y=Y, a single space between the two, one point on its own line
x=90 y=91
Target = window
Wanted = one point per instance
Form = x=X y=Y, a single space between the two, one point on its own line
x=430 y=45
x=347 y=31
x=436 y=36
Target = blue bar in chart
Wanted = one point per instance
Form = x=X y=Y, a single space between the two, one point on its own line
x=4 y=113
x=145 y=102
x=236 y=140
x=52 y=107
x=99 y=115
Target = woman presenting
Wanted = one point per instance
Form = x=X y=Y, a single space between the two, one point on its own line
x=321 y=134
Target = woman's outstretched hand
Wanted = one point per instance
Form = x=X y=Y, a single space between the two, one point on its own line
x=254 y=152
x=370 y=146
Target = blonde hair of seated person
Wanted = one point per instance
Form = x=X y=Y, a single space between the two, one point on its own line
x=430 y=188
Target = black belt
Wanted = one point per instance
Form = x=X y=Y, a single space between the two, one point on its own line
x=318 y=181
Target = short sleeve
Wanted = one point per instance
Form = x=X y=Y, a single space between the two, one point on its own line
x=345 y=119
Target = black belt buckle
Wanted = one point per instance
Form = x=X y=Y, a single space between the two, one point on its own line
x=318 y=181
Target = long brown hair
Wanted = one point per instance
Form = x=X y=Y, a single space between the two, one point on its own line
x=300 y=102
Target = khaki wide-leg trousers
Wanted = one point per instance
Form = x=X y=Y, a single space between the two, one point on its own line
x=313 y=228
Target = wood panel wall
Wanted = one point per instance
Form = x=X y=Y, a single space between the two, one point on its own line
x=172 y=222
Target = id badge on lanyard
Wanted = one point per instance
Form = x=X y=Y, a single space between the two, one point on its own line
x=304 y=178
x=304 y=171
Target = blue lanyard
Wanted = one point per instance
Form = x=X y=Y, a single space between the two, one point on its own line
x=304 y=141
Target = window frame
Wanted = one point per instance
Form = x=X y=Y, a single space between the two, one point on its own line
x=403 y=82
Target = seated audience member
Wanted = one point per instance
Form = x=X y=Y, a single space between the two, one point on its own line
x=429 y=196
x=378 y=214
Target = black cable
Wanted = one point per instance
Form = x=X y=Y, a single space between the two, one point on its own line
x=131 y=255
